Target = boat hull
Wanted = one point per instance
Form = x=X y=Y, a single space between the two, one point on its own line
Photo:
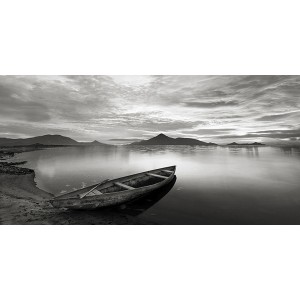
x=115 y=198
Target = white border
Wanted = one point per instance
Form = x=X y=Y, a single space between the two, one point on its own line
x=136 y=37
x=149 y=37
x=149 y=262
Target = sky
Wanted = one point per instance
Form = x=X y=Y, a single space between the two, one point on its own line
x=123 y=109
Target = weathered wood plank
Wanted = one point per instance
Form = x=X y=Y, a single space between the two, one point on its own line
x=124 y=186
x=94 y=188
x=96 y=192
x=85 y=194
x=156 y=175
x=167 y=171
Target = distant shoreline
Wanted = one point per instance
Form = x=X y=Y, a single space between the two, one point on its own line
x=51 y=141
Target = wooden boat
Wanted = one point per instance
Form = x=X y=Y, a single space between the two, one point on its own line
x=116 y=191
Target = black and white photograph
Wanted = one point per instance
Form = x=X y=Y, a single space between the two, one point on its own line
x=149 y=149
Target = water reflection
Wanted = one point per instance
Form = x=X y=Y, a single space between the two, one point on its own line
x=235 y=150
x=252 y=151
x=139 y=206
x=287 y=150
x=215 y=185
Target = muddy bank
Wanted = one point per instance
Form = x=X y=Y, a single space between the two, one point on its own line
x=21 y=202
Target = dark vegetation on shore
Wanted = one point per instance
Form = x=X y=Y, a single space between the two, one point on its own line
x=11 y=167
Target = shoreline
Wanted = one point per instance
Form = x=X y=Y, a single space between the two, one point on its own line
x=22 y=202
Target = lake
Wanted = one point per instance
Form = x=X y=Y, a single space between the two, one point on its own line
x=214 y=185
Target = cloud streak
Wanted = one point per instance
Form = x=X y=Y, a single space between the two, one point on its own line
x=213 y=104
x=278 y=116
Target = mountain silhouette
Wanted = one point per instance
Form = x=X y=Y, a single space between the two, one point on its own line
x=163 y=139
x=47 y=140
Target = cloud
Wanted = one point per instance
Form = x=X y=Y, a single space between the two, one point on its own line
x=209 y=131
x=278 y=134
x=122 y=140
x=213 y=104
x=19 y=107
x=277 y=116
x=125 y=141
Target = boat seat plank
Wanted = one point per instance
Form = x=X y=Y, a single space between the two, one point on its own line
x=167 y=171
x=90 y=193
x=156 y=175
x=127 y=187
x=93 y=189
x=96 y=192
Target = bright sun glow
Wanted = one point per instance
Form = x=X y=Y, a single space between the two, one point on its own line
x=132 y=80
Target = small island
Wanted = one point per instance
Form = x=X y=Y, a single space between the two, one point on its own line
x=246 y=144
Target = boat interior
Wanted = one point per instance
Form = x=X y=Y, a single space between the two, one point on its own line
x=122 y=184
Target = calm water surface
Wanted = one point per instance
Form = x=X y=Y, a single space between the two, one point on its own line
x=218 y=185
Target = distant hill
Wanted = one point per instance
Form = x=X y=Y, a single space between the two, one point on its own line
x=247 y=144
x=47 y=140
x=94 y=143
x=163 y=139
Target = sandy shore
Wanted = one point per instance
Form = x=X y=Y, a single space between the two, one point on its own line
x=21 y=202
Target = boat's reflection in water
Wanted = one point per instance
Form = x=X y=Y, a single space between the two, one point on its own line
x=138 y=206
